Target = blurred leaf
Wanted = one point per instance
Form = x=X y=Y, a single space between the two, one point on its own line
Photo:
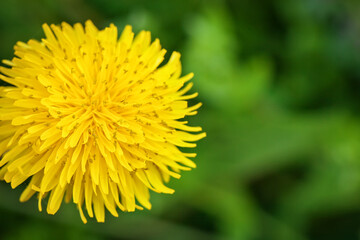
x=254 y=144
x=212 y=54
x=334 y=179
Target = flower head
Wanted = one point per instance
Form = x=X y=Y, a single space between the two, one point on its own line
x=92 y=118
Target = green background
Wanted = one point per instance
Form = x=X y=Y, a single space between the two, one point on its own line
x=280 y=84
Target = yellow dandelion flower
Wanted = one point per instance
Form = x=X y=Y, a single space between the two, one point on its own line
x=92 y=118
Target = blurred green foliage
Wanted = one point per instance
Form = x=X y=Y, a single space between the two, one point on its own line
x=280 y=84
